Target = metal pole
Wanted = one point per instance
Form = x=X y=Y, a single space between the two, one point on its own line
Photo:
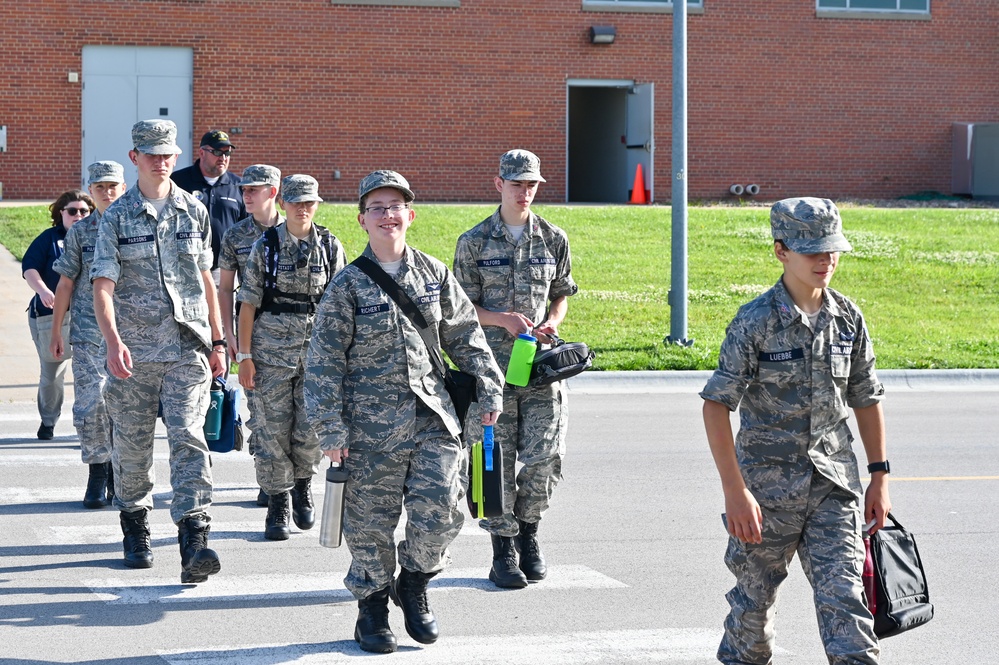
x=678 y=283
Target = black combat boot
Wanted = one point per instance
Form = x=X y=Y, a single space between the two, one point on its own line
x=262 y=498
x=135 y=526
x=276 y=522
x=110 y=492
x=532 y=561
x=302 y=507
x=409 y=591
x=505 y=573
x=97 y=485
x=197 y=561
x=372 y=630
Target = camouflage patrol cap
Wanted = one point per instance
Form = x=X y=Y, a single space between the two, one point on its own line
x=808 y=225
x=378 y=179
x=105 y=171
x=520 y=165
x=155 y=137
x=260 y=174
x=299 y=188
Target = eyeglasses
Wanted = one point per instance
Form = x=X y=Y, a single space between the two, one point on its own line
x=217 y=153
x=379 y=211
x=77 y=211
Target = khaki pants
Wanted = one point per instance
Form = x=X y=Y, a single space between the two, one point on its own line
x=52 y=380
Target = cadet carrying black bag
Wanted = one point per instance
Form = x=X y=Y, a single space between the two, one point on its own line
x=562 y=360
x=902 y=597
x=460 y=386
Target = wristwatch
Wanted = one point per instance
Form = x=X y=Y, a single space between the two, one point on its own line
x=878 y=466
x=240 y=357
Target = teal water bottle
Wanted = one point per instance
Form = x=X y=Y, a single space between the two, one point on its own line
x=518 y=372
x=213 y=421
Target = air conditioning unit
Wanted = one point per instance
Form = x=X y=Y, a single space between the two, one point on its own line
x=975 y=166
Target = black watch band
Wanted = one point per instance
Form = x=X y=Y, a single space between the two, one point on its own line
x=219 y=342
x=879 y=466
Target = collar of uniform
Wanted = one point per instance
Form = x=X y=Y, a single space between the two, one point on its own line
x=407 y=255
x=260 y=227
x=789 y=312
x=498 y=229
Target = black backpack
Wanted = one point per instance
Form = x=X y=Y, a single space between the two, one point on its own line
x=305 y=303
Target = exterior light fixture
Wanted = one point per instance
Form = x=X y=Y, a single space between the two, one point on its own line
x=602 y=34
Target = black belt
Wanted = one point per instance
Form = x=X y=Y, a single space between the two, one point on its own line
x=290 y=308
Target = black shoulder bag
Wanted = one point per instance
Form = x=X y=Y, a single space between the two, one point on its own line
x=903 y=598
x=460 y=386
x=561 y=361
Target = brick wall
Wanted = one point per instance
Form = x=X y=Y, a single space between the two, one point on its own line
x=778 y=97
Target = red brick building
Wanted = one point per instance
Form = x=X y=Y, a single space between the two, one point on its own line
x=828 y=97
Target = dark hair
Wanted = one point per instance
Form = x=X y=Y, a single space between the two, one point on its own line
x=68 y=197
x=782 y=245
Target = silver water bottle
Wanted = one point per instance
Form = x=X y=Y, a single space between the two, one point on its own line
x=331 y=528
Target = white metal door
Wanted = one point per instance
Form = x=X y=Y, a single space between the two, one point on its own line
x=125 y=84
x=639 y=135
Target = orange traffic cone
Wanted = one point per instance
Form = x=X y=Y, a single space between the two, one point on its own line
x=638 y=189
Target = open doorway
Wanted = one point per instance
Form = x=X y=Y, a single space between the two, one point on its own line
x=609 y=134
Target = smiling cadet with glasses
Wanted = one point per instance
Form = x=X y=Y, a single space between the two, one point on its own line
x=380 y=409
x=286 y=274
x=37 y=268
x=211 y=182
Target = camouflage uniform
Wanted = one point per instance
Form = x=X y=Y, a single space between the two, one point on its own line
x=795 y=384
x=239 y=240
x=286 y=448
x=90 y=415
x=500 y=275
x=371 y=387
x=162 y=316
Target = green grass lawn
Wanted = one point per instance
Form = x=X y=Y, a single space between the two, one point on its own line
x=927 y=279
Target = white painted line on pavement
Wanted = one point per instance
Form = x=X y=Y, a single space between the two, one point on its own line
x=110 y=532
x=17 y=495
x=103 y=534
x=73 y=459
x=219 y=588
x=613 y=646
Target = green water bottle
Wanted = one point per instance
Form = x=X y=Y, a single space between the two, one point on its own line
x=213 y=420
x=518 y=372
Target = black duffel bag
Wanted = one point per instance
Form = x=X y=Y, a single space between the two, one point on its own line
x=561 y=361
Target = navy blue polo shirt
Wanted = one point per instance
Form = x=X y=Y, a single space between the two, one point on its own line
x=41 y=254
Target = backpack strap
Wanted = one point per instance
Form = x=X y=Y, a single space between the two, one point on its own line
x=272 y=249
x=326 y=242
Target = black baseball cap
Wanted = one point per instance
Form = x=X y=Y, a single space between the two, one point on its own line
x=217 y=139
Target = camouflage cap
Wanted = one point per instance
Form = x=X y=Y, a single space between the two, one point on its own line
x=299 y=188
x=808 y=225
x=105 y=171
x=520 y=165
x=155 y=137
x=378 y=179
x=260 y=174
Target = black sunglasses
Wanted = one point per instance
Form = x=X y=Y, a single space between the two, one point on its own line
x=218 y=153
